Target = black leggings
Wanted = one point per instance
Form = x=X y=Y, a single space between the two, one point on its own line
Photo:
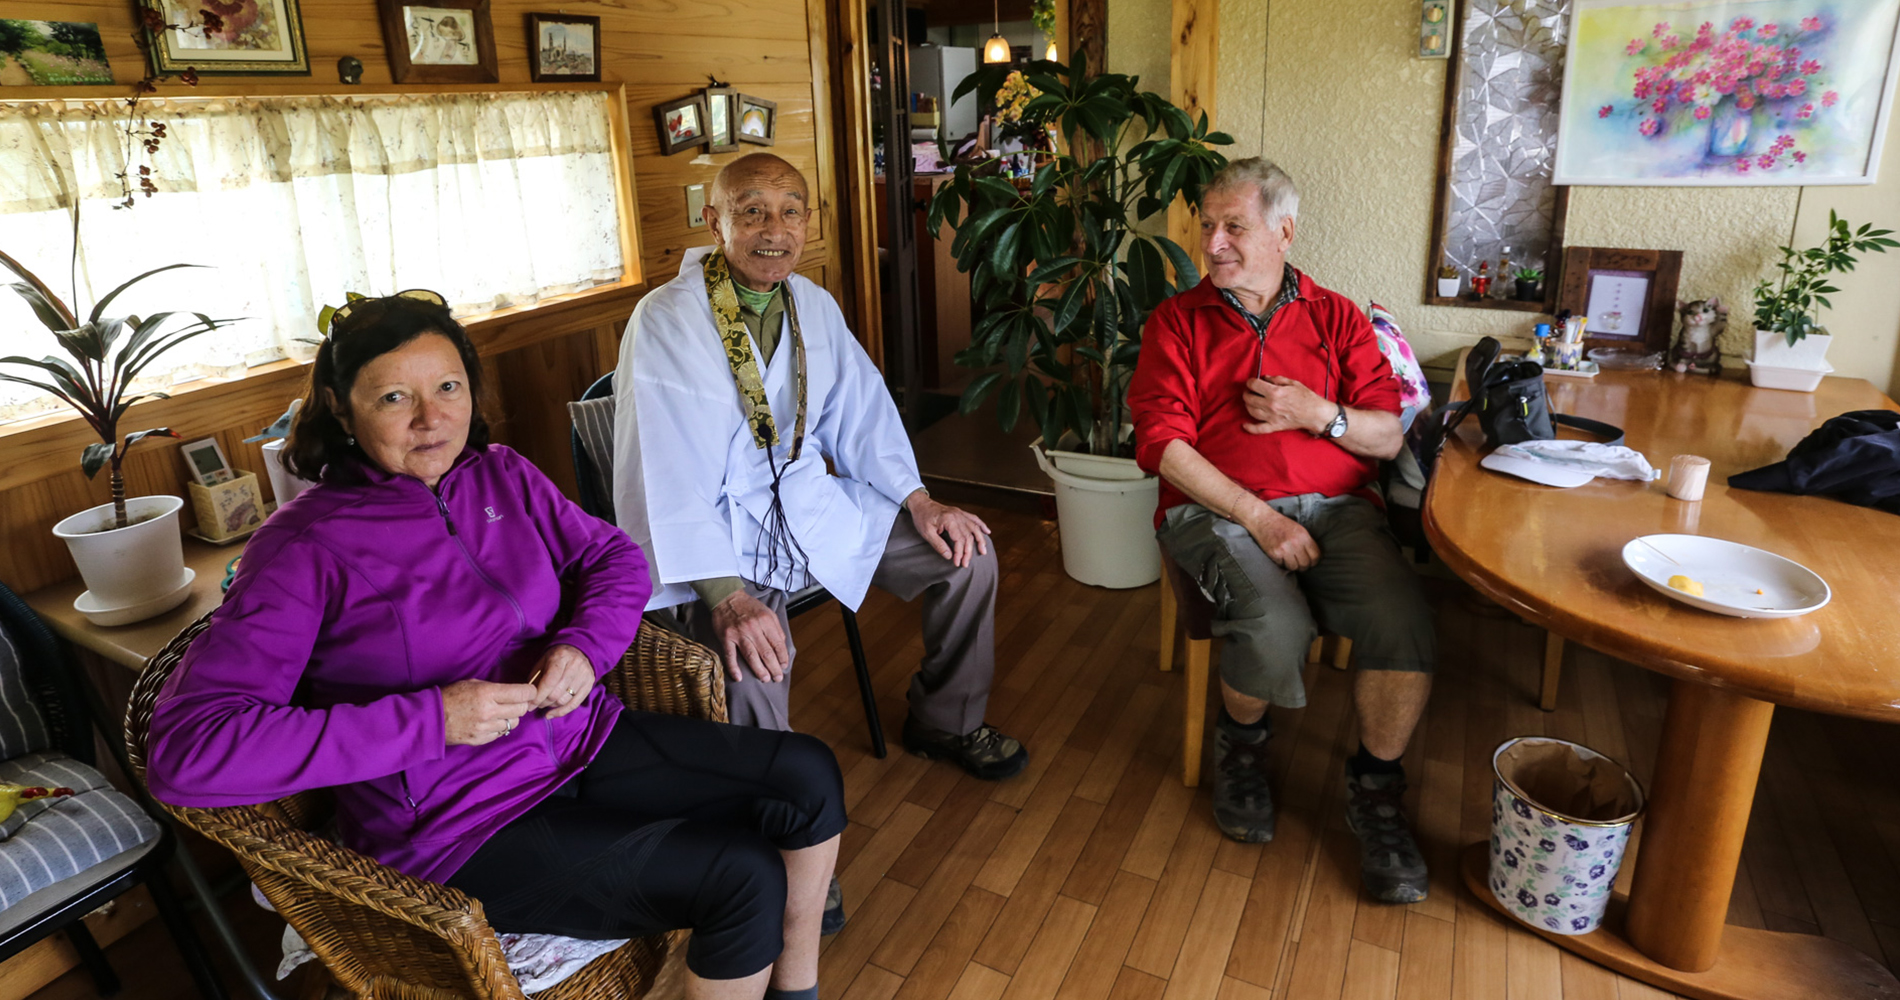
x=677 y=823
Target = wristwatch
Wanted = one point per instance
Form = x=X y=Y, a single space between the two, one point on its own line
x=1337 y=428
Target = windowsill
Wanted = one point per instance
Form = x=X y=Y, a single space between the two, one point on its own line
x=491 y=331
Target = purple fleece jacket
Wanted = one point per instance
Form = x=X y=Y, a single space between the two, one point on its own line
x=355 y=604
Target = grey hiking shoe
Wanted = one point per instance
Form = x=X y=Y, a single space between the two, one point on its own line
x=982 y=751
x=1243 y=805
x=1389 y=859
x=833 y=920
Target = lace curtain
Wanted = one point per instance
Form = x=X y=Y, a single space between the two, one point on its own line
x=492 y=200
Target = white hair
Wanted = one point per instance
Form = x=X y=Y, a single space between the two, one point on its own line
x=1279 y=198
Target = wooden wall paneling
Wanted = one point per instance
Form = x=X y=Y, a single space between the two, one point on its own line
x=535 y=385
x=856 y=225
x=1194 y=58
x=1088 y=32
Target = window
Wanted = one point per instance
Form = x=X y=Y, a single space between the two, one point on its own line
x=491 y=199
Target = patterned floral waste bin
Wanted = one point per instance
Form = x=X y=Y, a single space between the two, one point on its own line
x=1561 y=815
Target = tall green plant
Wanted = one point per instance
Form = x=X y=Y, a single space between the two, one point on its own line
x=1791 y=305
x=1062 y=276
x=107 y=354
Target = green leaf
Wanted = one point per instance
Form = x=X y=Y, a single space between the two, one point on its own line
x=49 y=317
x=1003 y=254
x=137 y=436
x=1186 y=275
x=99 y=308
x=1009 y=405
x=1073 y=298
x=977 y=391
x=1146 y=278
x=94 y=458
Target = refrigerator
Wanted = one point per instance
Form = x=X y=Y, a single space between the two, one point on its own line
x=936 y=70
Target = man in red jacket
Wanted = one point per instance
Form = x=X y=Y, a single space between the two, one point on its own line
x=1265 y=405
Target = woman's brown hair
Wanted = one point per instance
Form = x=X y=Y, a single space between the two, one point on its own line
x=365 y=331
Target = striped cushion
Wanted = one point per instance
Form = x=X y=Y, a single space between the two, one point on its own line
x=594 y=423
x=47 y=840
x=22 y=728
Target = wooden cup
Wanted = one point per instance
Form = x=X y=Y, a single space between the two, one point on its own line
x=1688 y=477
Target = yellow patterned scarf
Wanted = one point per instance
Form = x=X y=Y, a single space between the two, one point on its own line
x=745 y=365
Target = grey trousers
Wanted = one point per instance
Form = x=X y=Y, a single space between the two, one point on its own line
x=1361 y=589
x=951 y=688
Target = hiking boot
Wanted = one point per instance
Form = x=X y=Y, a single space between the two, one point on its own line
x=983 y=751
x=833 y=920
x=1243 y=805
x=1389 y=859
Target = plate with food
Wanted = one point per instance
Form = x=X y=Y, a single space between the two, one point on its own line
x=1725 y=577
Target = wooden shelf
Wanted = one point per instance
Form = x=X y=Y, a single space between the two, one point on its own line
x=1508 y=305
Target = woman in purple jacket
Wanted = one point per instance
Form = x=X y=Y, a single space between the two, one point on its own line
x=423 y=629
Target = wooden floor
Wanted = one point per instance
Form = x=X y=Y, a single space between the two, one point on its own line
x=1097 y=876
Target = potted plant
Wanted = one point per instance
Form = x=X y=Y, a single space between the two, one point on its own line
x=1063 y=281
x=128 y=550
x=1448 y=282
x=1530 y=283
x=1790 y=346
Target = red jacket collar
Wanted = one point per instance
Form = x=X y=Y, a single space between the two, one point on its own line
x=1206 y=296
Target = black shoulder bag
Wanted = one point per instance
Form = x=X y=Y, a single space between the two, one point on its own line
x=1511 y=405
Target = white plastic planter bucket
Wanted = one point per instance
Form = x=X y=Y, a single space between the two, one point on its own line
x=1105 y=509
x=1561 y=816
x=129 y=566
x=283 y=485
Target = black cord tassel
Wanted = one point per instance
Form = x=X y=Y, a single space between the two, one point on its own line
x=775 y=531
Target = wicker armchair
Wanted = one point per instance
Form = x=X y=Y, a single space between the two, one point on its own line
x=384 y=934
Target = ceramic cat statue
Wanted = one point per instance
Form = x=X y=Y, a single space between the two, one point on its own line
x=1702 y=323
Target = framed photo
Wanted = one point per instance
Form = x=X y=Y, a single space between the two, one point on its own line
x=439 y=41
x=563 y=47
x=1629 y=296
x=758 y=120
x=207 y=463
x=1726 y=92
x=682 y=123
x=722 y=111
x=263 y=37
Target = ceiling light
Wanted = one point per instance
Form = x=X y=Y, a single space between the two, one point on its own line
x=996 y=50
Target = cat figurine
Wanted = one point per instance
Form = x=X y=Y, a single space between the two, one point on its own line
x=1702 y=323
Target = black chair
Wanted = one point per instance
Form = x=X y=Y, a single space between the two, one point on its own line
x=70 y=708
x=594 y=487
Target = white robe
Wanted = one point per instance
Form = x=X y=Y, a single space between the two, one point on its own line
x=691 y=486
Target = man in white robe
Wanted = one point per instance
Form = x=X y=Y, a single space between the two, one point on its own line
x=738 y=380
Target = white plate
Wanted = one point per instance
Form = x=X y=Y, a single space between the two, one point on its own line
x=1736 y=579
x=98 y=614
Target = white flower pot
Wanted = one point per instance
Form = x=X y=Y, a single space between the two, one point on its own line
x=1448 y=287
x=1105 y=509
x=283 y=485
x=132 y=570
x=1773 y=350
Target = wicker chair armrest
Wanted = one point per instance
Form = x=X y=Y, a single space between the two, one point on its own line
x=666 y=672
x=265 y=842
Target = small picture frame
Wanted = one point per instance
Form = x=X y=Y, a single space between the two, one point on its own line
x=1629 y=296
x=439 y=41
x=269 y=41
x=722 y=113
x=206 y=462
x=758 y=120
x=682 y=123
x=563 y=48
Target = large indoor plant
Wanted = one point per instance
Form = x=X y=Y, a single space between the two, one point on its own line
x=1064 y=280
x=1790 y=344
x=128 y=550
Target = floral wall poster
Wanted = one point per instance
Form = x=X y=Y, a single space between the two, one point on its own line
x=1727 y=92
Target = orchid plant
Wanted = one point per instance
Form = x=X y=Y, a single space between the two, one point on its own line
x=107 y=354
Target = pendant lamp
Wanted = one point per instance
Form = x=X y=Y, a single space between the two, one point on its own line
x=1050 y=52
x=996 y=50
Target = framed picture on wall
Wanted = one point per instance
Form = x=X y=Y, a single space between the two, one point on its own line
x=440 y=41
x=1727 y=92
x=563 y=47
x=722 y=111
x=758 y=120
x=265 y=37
x=682 y=123
x=1628 y=296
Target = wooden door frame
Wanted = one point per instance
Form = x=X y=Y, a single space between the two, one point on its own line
x=841 y=27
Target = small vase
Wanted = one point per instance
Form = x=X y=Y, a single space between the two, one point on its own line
x=1529 y=291
x=1729 y=128
x=1448 y=288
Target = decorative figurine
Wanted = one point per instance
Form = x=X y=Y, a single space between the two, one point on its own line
x=1481 y=282
x=1702 y=323
x=349 y=69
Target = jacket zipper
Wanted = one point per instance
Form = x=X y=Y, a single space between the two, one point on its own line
x=521 y=617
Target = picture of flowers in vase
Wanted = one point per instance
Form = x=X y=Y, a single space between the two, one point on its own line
x=1724 y=92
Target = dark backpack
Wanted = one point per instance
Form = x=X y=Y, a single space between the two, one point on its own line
x=1511 y=405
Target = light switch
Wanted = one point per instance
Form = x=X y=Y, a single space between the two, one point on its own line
x=695 y=205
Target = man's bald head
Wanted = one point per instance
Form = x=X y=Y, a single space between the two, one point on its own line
x=758 y=213
x=755 y=172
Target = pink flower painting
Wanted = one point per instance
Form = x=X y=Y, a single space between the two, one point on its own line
x=1687 y=90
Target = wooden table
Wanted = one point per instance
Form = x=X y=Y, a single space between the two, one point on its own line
x=1554 y=557
x=131 y=645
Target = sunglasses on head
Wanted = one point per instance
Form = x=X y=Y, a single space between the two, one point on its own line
x=332 y=318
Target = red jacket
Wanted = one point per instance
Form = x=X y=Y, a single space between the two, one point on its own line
x=1197 y=354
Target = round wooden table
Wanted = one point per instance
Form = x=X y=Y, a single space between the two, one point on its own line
x=1553 y=556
